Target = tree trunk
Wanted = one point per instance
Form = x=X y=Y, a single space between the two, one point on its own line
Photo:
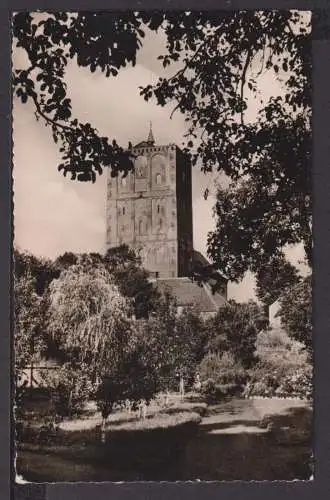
x=144 y=410
x=70 y=403
x=181 y=388
x=103 y=427
x=31 y=378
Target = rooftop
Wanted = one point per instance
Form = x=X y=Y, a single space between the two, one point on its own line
x=190 y=293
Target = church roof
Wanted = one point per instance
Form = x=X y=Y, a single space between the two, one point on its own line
x=189 y=293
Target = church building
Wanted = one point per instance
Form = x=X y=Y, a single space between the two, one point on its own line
x=150 y=210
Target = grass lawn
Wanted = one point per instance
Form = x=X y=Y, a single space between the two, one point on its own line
x=234 y=440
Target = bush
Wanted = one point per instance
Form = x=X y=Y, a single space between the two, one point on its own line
x=283 y=368
x=298 y=384
x=221 y=376
x=69 y=389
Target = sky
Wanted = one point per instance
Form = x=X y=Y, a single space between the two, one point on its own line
x=53 y=214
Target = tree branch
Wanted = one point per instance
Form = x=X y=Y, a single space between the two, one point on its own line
x=189 y=61
x=243 y=80
x=262 y=60
x=48 y=119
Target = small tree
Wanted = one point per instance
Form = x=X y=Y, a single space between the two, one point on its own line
x=93 y=324
x=160 y=330
x=69 y=388
x=91 y=321
x=89 y=317
x=296 y=312
x=189 y=342
x=176 y=341
x=221 y=375
x=135 y=379
x=235 y=329
x=125 y=266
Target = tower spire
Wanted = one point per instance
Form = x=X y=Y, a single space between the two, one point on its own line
x=150 y=139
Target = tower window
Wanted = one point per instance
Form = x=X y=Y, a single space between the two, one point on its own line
x=140 y=227
x=157 y=274
x=158 y=179
x=124 y=211
x=124 y=181
x=158 y=209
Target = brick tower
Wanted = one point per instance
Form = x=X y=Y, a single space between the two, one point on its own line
x=151 y=209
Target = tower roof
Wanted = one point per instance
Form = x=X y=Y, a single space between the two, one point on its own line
x=150 y=139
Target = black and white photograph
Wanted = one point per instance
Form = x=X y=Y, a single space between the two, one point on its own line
x=162 y=250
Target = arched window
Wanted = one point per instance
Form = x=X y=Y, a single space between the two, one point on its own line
x=123 y=181
x=124 y=211
x=141 y=164
x=158 y=208
x=158 y=179
x=140 y=227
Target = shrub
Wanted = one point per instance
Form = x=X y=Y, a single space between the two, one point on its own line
x=221 y=376
x=298 y=384
x=283 y=368
x=69 y=389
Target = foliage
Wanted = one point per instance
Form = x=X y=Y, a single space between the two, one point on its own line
x=294 y=384
x=136 y=378
x=235 y=329
x=176 y=341
x=201 y=271
x=220 y=55
x=276 y=345
x=94 y=325
x=125 y=265
x=268 y=159
x=42 y=270
x=190 y=342
x=283 y=367
x=66 y=260
x=161 y=347
x=50 y=41
x=29 y=310
x=221 y=375
x=296 y=312
x=274 y=279
x=89 y=317
x=160 y=334
x=69 y=387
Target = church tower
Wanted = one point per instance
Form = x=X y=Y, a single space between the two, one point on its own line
x=151 y=209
